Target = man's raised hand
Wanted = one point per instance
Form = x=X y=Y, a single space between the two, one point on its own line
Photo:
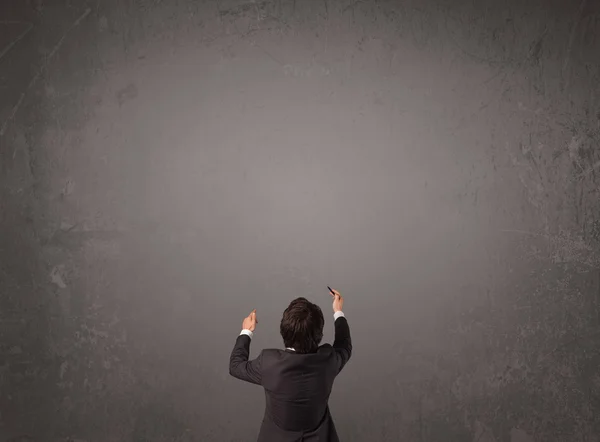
x=250 y=321
x=338 y=301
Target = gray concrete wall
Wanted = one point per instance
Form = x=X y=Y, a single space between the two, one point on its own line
x=167 y=166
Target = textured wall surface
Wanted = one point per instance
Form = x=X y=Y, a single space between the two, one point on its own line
x=167 y=166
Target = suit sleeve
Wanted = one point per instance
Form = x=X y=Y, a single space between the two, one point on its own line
x=342 y=343
x=239 y=365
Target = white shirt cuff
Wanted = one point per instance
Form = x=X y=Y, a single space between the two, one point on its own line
x=338 y=315
x=247 y=332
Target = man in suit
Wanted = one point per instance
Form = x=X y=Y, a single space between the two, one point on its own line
x=298 y=380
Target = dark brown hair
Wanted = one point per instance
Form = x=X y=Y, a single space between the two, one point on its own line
x=302 y=326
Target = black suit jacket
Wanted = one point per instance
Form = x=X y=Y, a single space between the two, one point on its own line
x=297 y=386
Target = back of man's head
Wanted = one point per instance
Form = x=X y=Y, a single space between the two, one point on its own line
x=302 y=326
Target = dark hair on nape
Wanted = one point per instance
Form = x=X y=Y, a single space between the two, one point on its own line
x=302 y=326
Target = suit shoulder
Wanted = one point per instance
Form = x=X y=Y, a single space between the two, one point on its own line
x=269 y=352
x=325 y=348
